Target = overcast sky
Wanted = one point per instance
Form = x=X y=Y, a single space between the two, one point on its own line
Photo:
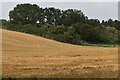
x=96 y=9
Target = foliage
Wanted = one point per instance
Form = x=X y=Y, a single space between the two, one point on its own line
x=69 y=26
x=25 y=14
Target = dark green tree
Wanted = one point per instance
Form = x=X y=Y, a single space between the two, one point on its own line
x=94 y=22
x=3 y=22
x=72 y=16
x=108 y=35
x=52 y=16
x=25 y=14
x=87 y=32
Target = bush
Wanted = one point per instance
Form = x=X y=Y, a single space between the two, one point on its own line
x=78 y=33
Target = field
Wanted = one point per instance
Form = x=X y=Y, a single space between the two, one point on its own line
x=25 y=55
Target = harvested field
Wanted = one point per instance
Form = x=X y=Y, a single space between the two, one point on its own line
x=25 y=55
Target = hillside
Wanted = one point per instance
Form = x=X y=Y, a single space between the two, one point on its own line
x=25 y=55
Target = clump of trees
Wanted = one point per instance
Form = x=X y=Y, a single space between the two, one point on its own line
x=33 y=14
x=69 y=26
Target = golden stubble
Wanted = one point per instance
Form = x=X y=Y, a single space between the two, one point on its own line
x=25 y=55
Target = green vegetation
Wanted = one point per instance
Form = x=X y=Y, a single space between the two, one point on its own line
x=93 y=74
x=69 y=26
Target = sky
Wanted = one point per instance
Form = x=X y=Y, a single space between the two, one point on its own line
x=96 y=9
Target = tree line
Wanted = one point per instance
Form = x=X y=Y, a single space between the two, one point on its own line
x=69 y=26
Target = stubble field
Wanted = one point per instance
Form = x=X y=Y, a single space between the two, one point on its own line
x=25 y=55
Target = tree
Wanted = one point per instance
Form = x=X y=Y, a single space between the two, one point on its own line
x=109 y=35
x=112 y=23
x=87 y=32
x=70 y=26
x=71 y=36
x=25 y=14
x=51 y=16
x=4 y=22
x=94 y=22
x=72 y=16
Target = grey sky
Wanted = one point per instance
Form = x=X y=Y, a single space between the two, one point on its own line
x=97 y=10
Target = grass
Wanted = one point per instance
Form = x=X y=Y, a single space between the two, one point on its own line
x=93 y=75
x=62 y=79
x=100 y=45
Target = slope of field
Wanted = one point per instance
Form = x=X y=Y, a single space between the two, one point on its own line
x=25 y=55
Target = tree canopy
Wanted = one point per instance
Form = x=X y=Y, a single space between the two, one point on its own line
x=25 y=14
x=70 y=26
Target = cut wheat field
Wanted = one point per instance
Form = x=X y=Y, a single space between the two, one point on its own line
x=26 y=55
